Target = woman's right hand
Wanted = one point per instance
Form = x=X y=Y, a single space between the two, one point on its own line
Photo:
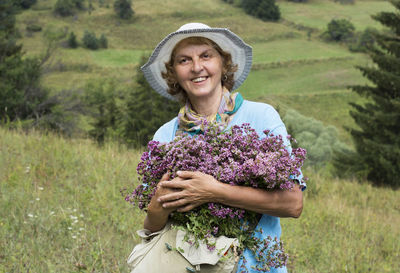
x=157 y=215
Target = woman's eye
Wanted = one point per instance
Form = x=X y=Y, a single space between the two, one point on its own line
x=206 y=56
x=182 y=61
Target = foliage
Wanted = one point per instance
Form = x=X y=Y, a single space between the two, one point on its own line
x=266 y=10
x=123 y=9
x=298 y=1
x=376 y=139
x=90 y=40
x=72 y=42
x=340 y=29
x=364 y=40
x=105 y=103
x=68 y=7
x=146 y=111
x=320 y=141
x=25 y=4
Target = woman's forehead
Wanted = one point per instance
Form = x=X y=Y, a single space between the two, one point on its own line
x=186 y=49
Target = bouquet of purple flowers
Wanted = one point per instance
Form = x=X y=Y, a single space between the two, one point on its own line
x=237 y=156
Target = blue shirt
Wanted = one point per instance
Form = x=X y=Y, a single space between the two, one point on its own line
x=261 y=117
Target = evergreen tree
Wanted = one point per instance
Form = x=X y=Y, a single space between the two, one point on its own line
x=72 y=42
x=90 y=40
x=20 y=93
x=123 y=9
x=377 y=141
x=146 y=112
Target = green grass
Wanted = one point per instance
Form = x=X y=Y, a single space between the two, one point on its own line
x=296 y=49
x=61 y=204
x=345 y=227
x=318 y=13
x=62 y=212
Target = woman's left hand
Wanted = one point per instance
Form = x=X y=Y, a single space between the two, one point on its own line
x=194 y=189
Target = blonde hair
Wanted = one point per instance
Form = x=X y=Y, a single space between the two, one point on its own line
x=228 y=68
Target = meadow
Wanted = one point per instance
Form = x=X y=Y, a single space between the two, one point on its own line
x=62 y=210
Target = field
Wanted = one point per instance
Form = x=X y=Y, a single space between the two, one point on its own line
x=62 y=210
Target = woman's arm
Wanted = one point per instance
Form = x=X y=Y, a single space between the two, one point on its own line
x=196 y=188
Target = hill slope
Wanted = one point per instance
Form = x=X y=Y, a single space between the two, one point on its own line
x=62 y=211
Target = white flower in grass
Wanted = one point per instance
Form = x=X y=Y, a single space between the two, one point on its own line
x=27 y=169
x=82 y=215
x=81 y=229
x=40 y=188
x=30 y=215
x=73 y=237
x=70 y=228
x=38 y=199
x=51 y=213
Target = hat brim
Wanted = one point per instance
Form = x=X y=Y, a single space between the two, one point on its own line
x=227 y=40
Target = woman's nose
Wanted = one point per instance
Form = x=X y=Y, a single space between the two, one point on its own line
x=197 y=66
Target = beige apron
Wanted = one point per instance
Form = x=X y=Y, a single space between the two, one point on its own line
x=157 y=254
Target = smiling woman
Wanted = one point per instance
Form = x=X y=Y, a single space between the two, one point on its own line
x=202 y=66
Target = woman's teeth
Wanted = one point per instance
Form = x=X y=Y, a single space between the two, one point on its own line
x=200 y=79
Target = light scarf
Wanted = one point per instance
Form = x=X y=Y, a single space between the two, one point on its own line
x=192 y=122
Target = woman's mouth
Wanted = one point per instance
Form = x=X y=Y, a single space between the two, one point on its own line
x=199 y=79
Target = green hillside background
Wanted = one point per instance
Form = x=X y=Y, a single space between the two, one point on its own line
x=62 y=210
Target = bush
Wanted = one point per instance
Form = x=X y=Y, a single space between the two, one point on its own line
x=72 y=42
x=340 y=29
x=64 y=8
x=320 y=141
x=266 y=10
x=345 y=2
x=67 y=7
x=123 y=9
x=364 y=40
x=25 y=4
x=90 y=41
x=298 y=1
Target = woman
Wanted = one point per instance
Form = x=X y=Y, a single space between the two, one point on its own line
x=202 y=66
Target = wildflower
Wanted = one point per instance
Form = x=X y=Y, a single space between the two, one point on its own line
x=30 y=215
x=40 y=188
x=38 y=199
x=236 y=157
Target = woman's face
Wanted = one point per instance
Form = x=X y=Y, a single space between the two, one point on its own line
x=199 y=70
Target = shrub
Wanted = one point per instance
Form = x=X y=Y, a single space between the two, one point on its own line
x=25 y=4
x=72 y=42
x=364 y=40
x=320 y=141
x=90 y=41
x=64 y=8
x=266 y=10
x=123 y=9
x=340 y=29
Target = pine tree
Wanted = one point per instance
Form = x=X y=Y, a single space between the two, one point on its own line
x=20 y=93
x=146 y=112
x=377 y=141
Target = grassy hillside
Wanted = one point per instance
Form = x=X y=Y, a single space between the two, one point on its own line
x=62 y=211
x=293 y=67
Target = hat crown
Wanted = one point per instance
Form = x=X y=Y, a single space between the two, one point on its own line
x=191 y=26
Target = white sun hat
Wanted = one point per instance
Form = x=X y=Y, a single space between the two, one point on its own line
x=223 y=37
